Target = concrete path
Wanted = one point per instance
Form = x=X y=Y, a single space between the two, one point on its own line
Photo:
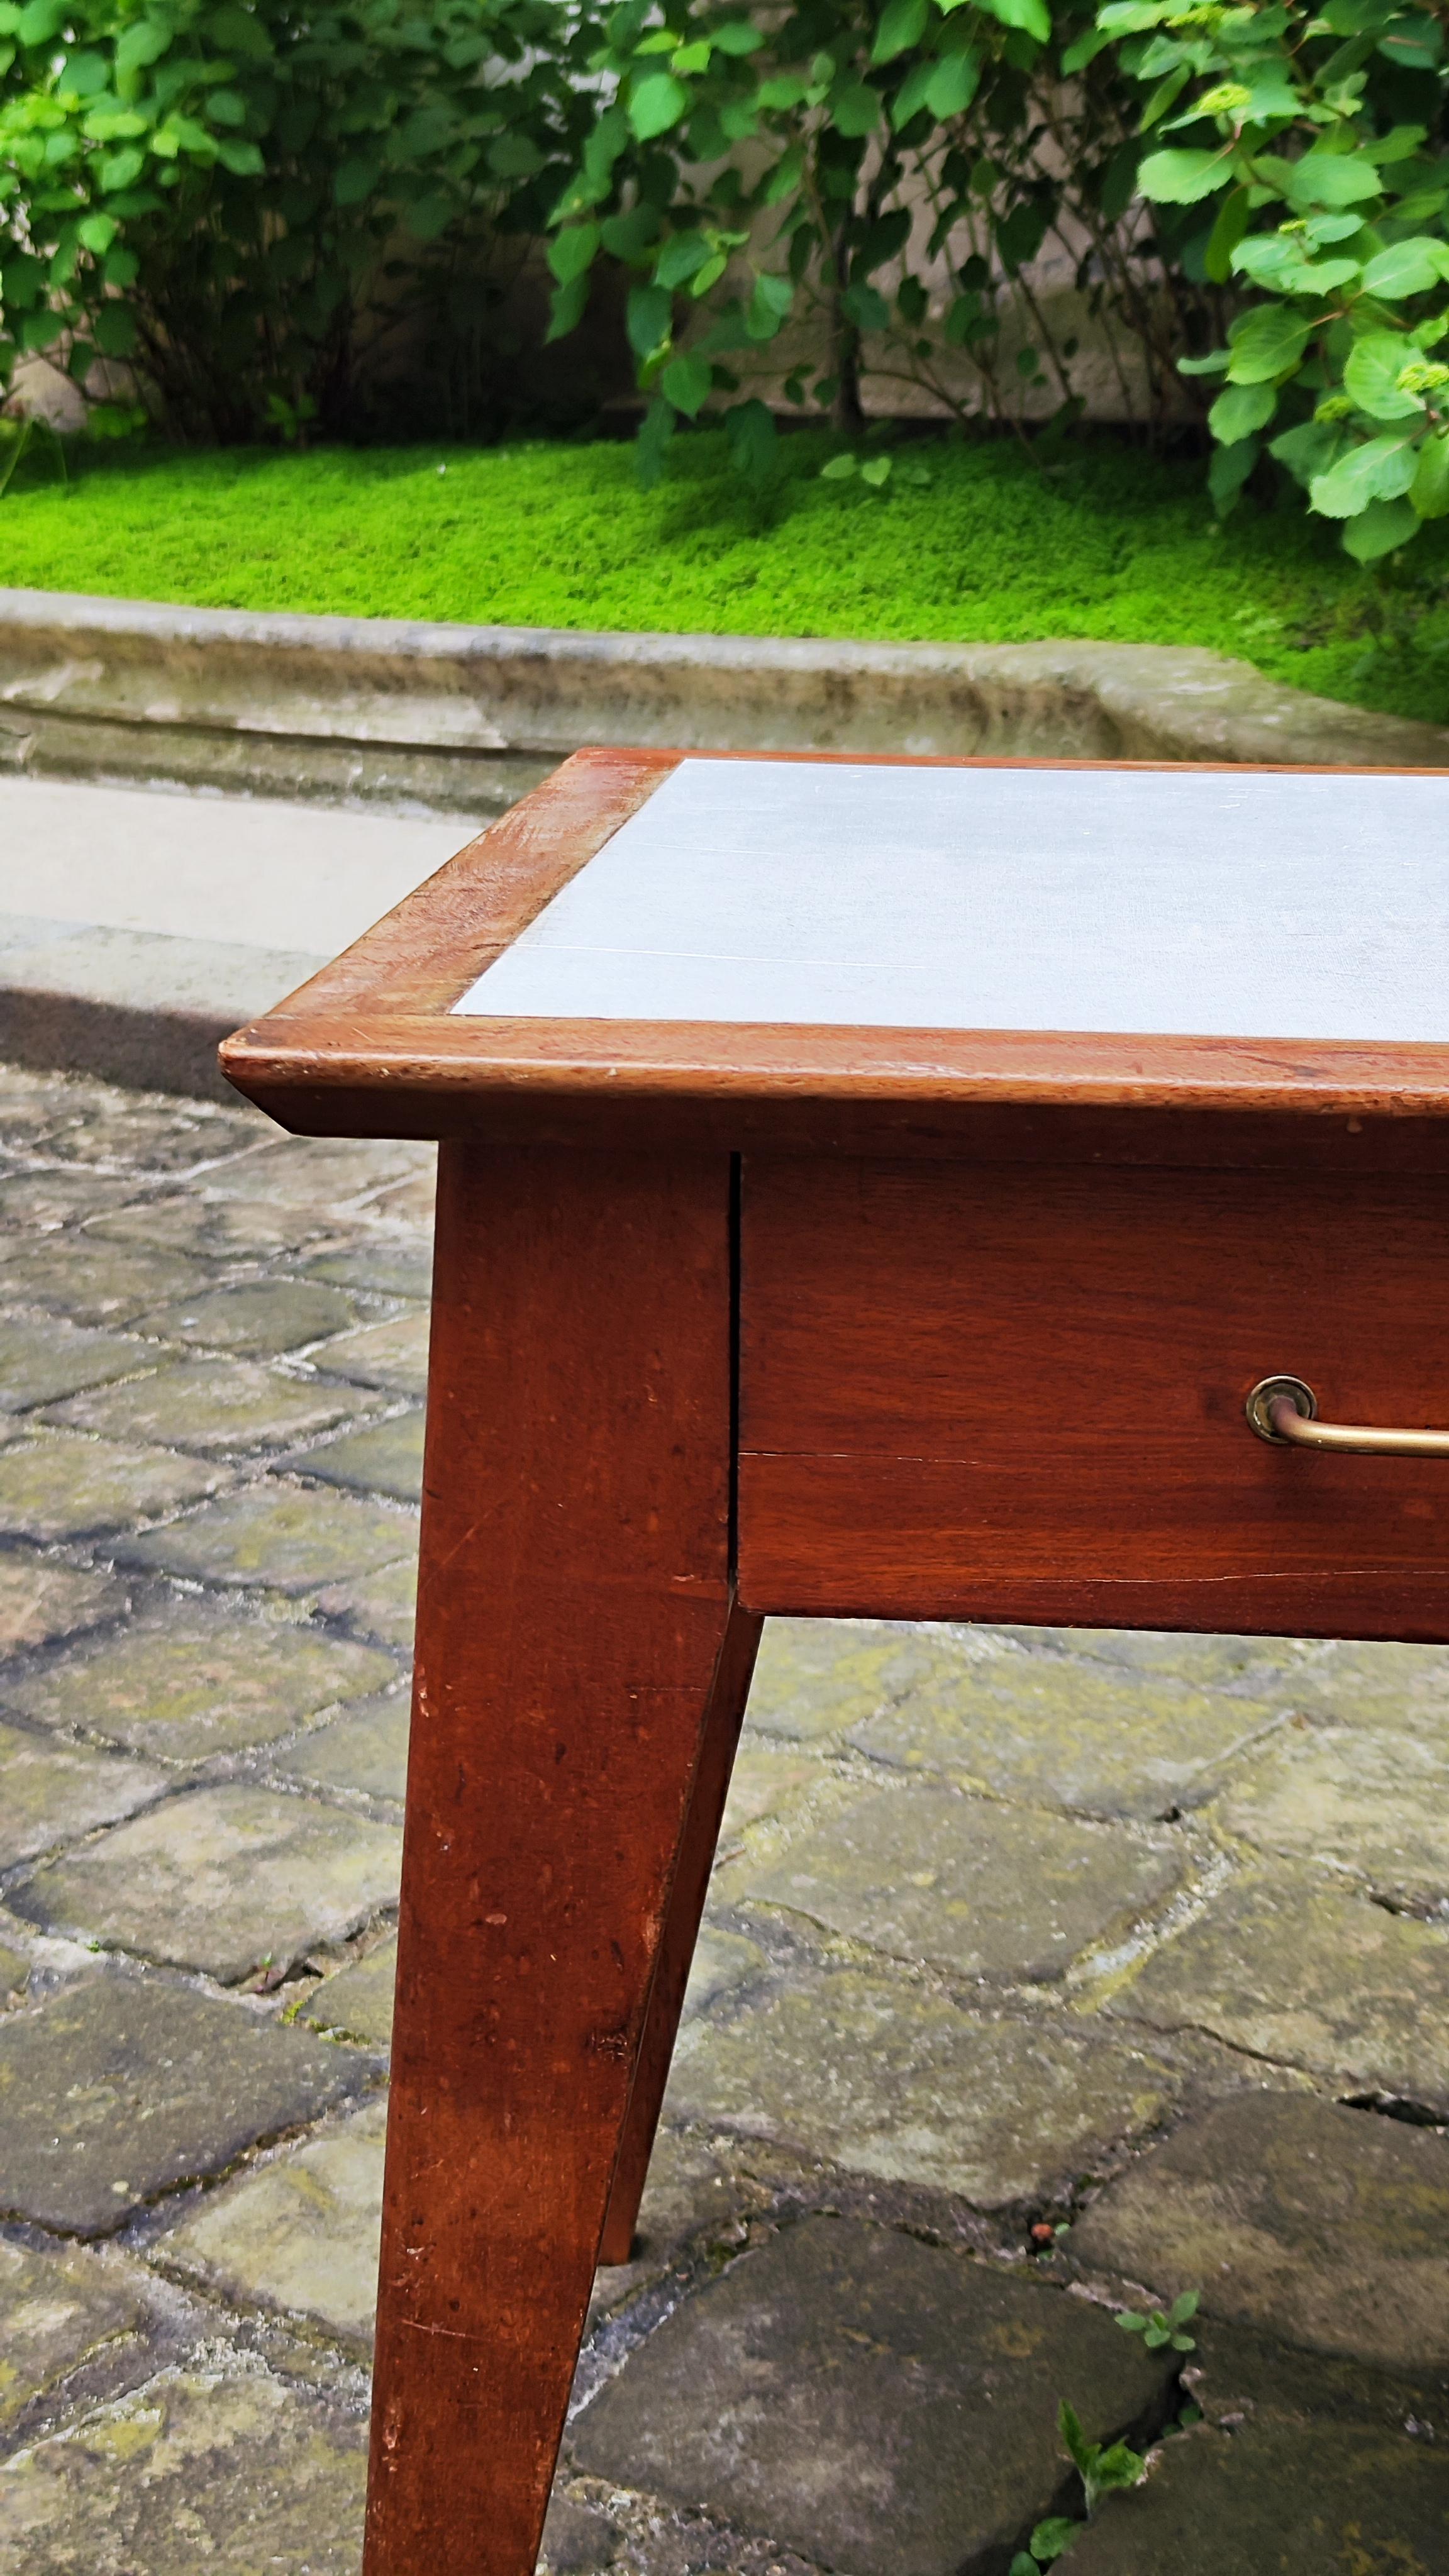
x=138 y=925
x=1046 y=1976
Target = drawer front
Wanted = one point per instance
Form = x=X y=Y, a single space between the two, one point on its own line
x=977 y=1392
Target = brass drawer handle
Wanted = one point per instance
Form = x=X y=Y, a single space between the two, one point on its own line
x=1285 y=1411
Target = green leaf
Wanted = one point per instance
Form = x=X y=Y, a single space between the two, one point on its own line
x=1183 y=178
x=752 y=436
x=839 y=469
x=1052 y=2538
x=1184 y=2306
x=655 y=104
x=566 y=308
x=1380 y=469
x=243 y=159
x=115 y=330
x=571 y=253
x=1265 y=343
x=1228 y=471
x=1214 y=364
x=1237 y=413
x=902 y=24
x=1332 y=179
x=1021 y=2565
x=687 y=382
x=953 y=84
x=1031 y=16
x=1227 y=232
x=1183 y=2343
x=143 y=43
x=44 y=19
x=1429 y=491
x=876 y=471
x=96 y=233
x=855 y=109
x=1128 y=2318
x=119 y=169
x=1379 y=529
x=682 y=258
x=1079 y=2450
x=1371 y=375
x=1407 y=268
x=648 y=315
x=655 y=432
x=736 y=37
x=866 y=307
x=1310 y=448
x=1117 y=2469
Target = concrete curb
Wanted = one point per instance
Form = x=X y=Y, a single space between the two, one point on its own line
x=467 y=718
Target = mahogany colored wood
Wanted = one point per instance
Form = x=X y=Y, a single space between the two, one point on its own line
x=681 y=1930
x=368 y=1046
x=574 y=1610
x=969 y=1392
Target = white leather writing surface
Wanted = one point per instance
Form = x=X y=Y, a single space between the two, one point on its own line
x=1160 y=901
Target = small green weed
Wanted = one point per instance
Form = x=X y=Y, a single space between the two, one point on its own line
x=1158 y=2328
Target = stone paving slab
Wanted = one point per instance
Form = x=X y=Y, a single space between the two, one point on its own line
x=387 y=1459
x=356 y=2003
x=381 y=1262
x=751 y=2399
x=1298 y=2500
x=393 y=1355
x=119 y=2090
x=255 y=1317
x=1288 y=1966
x=1364 y=1799
x=219 y=1408
x=41 y=1601
x=228 y=1880
x=1324 y=2226
x=379 y=1601
x=223 y=2466
x=51 y=1792
x=985 y=1891
x=183 y=1683
x=56 y=2312
x=365 y=1749
x=275 y=1535
x=1066 y=1732
x=97 y=1283
x=42 y=1360
x=59 y=1486
x=300 y=2234
x=890 y=2078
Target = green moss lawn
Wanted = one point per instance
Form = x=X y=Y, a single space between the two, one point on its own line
x=1107 y=544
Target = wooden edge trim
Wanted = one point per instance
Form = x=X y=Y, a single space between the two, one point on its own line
x=746 y=1064
x=426 y=952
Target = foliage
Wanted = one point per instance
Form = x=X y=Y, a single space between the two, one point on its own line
x=1313 y=142
x=868 y=178
x=1109 y=543
x=1104 y=2468
x=1159 y=2327
x=242 y=198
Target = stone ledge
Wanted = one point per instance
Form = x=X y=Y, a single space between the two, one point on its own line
x=378 y=708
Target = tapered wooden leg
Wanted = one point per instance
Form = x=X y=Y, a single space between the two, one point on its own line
x=681 y=1929
x=574 y=1625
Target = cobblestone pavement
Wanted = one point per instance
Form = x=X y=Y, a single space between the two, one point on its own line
x=1042 y=1973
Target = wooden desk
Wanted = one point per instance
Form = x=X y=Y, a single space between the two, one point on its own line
x=865 y=1187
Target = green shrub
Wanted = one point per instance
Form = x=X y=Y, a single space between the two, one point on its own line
x=248 y=200
x=885 y=169
x=1313 y=144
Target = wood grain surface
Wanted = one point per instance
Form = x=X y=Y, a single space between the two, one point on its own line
x=574 y=1607
x=983 y=1393
x=368 y=1046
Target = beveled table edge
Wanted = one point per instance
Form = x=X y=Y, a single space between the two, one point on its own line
x=372 y=1037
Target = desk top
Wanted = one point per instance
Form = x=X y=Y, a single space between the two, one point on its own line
x=1218 y=903
x=827 y=953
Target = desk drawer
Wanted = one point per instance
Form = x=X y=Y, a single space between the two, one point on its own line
x=984 y=1392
